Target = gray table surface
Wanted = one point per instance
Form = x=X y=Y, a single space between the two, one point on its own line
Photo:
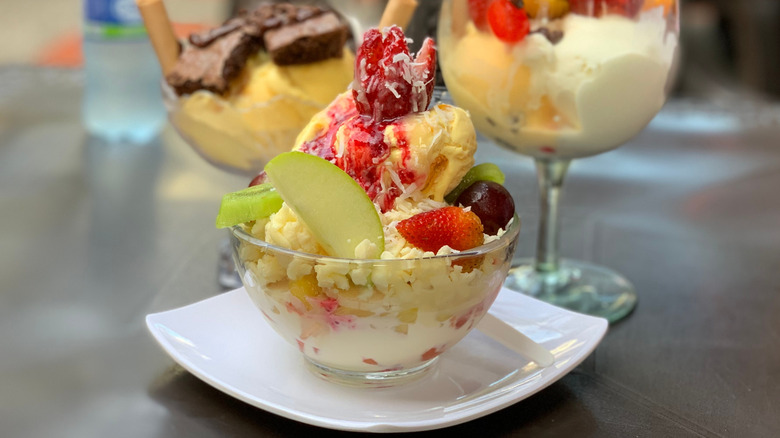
x=94 y=237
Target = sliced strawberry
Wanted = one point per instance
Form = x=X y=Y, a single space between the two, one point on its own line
x=388 y=84
x=367 y=68
x=478 y=12
x=424 y=73
x=508 y=22
x=455 y=227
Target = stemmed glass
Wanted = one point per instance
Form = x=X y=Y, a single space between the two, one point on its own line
x=558 y=80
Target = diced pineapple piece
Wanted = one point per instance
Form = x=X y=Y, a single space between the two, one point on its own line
x=342 y=310
x=443 y=316
x=304 y=288
x=408 y=316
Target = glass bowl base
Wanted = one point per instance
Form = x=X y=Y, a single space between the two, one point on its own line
x=578 y=286
x=381 y=379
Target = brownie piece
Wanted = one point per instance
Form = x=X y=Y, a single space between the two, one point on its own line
x=213 y=67
x=314 y=39
x=272 y=16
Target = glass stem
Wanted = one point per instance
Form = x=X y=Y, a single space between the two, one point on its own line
x=550 y=174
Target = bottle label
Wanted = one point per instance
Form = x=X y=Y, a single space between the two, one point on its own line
x=113 y=19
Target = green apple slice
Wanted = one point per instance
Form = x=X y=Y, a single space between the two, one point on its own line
x=480 y=172
x=336 y=209
x=252 y=203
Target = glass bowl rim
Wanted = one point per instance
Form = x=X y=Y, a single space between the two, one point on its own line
x=509 y=236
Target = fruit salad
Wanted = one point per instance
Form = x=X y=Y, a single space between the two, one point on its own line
x=376 y=243
x=559 y=78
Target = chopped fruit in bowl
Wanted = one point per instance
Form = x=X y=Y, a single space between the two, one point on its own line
x=372 y=246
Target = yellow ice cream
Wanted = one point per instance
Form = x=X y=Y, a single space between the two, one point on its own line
x=439 y=145
x=264 y=112
x=441 y=142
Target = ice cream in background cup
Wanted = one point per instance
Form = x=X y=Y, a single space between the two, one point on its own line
x=584 y=78
x=376 y=243
x=240 y=93
x=242 y=132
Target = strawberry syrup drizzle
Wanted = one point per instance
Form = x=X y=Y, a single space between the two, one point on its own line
x=365 y=156
x=323 y=145
x=365 y=151
x=388 y=86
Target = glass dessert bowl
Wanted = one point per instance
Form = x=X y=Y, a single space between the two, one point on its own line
x=372 y=322
x=239 y=137
x=557 y=80
x=376 y=243
x=239 y=93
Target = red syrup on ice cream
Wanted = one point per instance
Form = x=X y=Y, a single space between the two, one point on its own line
x=389 y=84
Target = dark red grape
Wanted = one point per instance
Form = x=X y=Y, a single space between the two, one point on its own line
x=491 y=202
x=259 y=179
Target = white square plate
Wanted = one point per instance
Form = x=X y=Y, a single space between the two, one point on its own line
x=226 y=342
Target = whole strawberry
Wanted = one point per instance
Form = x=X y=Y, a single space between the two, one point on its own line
x=455 y=227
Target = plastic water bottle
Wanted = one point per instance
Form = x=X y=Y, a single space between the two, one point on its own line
x=122 y=99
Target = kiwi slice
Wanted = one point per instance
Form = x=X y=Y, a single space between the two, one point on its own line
x=252 y=203
x=480 y=172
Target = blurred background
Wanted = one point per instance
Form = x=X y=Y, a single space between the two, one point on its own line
x=728 y=46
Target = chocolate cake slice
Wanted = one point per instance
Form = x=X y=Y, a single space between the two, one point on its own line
x=214 y=66
x=315 y=39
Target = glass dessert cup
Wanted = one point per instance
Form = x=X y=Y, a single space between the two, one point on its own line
x=585 y=78
x=372 y=323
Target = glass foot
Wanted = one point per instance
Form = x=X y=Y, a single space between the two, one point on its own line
x=380 y=379
x=578 y=286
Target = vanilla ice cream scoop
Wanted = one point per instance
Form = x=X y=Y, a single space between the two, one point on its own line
x=243 y=130
x=427 y=152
